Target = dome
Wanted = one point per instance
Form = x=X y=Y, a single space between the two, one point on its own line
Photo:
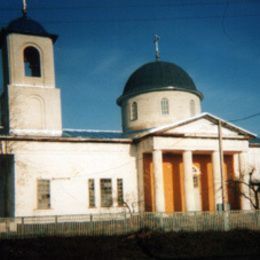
x=26 y=25
x=157 y=76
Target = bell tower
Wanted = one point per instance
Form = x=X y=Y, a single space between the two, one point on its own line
x=30 y=101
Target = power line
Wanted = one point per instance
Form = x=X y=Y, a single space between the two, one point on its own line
x=146 y=19
x=245 y=118
x=161 y=5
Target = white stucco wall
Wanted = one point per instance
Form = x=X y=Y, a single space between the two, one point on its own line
x=34 y=109
x=149 y=109
x=68 y=166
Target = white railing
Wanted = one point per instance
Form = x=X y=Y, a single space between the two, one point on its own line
x=124 y=223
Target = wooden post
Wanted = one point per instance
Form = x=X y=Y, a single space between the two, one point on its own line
x=221 y=157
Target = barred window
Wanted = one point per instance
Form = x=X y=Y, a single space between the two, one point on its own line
x=106 y=192
x=134 y=111
x=43 y=194
x=120 y=192
x=165 y=106
x=32 y=67
x=91 y=193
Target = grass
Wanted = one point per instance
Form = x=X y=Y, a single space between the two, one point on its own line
x=237 y=244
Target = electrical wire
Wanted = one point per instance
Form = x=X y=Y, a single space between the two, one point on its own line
x=245 y=118
x=111 y=6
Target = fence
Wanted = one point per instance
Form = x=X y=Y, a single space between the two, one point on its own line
x=119 y=224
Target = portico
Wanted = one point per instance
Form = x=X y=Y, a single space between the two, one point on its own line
x=184 y=173
x=187 y=181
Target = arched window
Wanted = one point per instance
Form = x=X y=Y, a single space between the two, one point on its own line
x=32 y=64
x=134 y=111
x=165 y=106
x=192 y=108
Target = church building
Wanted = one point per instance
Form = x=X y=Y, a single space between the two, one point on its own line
x=169 y=157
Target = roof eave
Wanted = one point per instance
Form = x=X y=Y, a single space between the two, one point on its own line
x=4 y=33
x=123 y=97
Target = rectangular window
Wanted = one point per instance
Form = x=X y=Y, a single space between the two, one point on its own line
x=43 y=194
x=106 y=192
x=120 y=192
x=165 y=106
x=91 y=193
x=134 y=111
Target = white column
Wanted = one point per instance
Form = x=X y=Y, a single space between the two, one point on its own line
x=158 y=181
x=236 y=166
x=244 y=172
x=140 y=180
x=188 y=181
x=217 y=178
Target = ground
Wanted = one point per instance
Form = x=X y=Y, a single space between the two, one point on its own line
x=239 y=244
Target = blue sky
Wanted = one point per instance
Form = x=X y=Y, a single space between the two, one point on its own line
x=102 y=42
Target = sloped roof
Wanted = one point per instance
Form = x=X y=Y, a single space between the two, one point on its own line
x=89 y=133
x=100 y=134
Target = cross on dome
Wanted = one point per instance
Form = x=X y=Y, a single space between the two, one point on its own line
x=24 y=7
x=156 y=44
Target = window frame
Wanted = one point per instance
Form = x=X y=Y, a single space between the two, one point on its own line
x=106 y=196
x=120 y=192
x=91 y=193
x=43 y=194
x=134 y=111
x=165 y=108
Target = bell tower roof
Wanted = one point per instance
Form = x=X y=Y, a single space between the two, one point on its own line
x=28 y=26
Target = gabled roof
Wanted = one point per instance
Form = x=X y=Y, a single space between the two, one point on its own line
x=207 y=116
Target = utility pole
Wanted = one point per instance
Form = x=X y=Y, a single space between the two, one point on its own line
x=223 y=178
x=221 y=157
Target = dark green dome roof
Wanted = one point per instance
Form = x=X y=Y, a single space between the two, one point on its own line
x=26 y=25
x=157 y=76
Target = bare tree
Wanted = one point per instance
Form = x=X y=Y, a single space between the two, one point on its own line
x=253 y=185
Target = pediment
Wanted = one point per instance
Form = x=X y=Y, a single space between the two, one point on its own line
x=203 y=125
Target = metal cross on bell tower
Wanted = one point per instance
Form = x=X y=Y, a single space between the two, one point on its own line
x=24 y=7
x=156 y=45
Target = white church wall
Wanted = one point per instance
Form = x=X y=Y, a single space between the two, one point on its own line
x=68 y=167
x=32 y=111
x=150 y=113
